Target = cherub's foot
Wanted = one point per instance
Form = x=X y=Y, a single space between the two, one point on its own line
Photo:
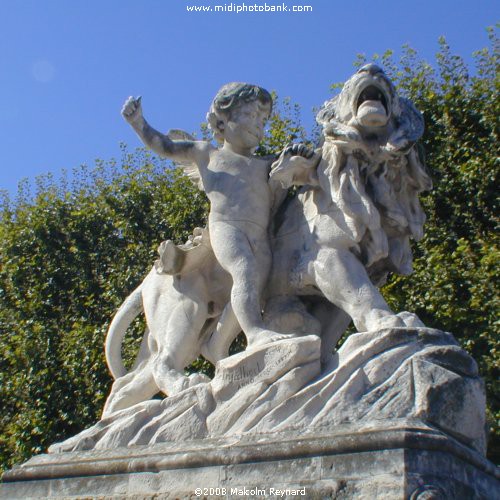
x=264 y=337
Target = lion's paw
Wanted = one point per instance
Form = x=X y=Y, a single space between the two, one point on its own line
x=411 y=319
x=378 y=319
x=183 y=382
x=197 y=379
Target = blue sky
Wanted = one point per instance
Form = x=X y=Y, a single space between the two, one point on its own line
x=66 y=66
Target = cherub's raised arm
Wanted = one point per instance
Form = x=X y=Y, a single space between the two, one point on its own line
x=177 y=150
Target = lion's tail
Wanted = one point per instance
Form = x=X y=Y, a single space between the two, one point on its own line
x=128 y=311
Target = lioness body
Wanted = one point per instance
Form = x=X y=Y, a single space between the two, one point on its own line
x=181 y=310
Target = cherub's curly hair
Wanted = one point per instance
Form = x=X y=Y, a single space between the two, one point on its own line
x=229 y=97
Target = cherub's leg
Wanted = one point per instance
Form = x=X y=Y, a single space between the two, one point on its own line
x=235 y=254
x=344 y=281
x=248 y=262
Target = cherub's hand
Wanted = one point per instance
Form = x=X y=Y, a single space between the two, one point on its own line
x=295 y=166
x=132 y=109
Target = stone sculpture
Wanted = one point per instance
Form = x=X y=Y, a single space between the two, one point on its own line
x=181 y=316
x=290 y=401
x=333 y=243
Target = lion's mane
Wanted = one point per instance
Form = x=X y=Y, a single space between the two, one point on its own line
x=376 y=185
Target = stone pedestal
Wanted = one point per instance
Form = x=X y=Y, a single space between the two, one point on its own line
x=394 y=459
x=398 y=413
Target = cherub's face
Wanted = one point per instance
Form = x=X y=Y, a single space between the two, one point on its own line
x=244 y=127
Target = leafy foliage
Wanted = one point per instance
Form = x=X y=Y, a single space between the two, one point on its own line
x=69 y=257
x=283 y=128
x=72 y=252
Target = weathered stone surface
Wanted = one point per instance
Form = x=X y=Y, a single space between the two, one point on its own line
x=393 y=373
x=379 y=459
x=250 y=383
x=403 y=373
x=245 y=387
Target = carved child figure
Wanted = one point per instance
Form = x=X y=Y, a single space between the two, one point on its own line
x=237 y=185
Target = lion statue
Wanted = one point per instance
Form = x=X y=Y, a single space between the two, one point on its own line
x=350 y=223
x=183 y=298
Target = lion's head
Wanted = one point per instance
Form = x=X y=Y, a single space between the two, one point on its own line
x=368 y=109
x=371 y=171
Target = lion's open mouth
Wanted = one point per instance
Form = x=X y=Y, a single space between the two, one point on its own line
x=372 y=93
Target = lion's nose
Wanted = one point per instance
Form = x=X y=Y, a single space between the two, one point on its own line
x=371 y=68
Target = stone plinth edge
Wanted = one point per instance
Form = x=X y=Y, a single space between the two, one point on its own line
x=414 y=455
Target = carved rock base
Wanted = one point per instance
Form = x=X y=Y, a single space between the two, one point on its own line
x=390 y=460
x=417 y=373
